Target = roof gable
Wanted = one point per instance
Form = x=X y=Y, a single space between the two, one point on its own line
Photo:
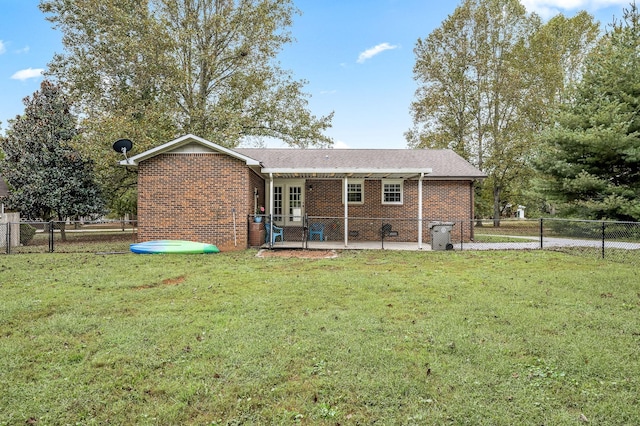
x=185 y=145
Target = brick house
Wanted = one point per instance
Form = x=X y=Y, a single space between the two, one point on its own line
x=192 y=189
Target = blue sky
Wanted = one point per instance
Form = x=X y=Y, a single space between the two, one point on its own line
x=357 y=56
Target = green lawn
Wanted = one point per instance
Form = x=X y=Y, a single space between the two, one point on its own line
x=496 y=338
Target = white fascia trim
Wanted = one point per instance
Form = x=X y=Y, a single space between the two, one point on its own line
x=453 y=178
x=345 y=171
x=183 y=140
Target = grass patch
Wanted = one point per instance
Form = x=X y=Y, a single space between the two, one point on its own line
x=487 y=238
x=80 y=242
x=509 y=227
x=533 y=337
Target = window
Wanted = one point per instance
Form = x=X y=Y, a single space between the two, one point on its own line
x=355 y=191
x=392 y=191
x=295 y=203
x=277 y=204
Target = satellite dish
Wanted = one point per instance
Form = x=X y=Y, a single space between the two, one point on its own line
x=123 y=146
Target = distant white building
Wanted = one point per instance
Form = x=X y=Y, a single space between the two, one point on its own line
x=4 y=191
x=8 y=220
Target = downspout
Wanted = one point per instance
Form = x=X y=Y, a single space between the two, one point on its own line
x=420 y=211
x=346 y=212
x=471 y=211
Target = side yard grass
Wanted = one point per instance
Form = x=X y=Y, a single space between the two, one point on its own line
x=495 y=338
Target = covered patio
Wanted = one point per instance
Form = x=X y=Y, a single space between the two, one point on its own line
x=290 y=203
x=318 y=233
x=338 y=245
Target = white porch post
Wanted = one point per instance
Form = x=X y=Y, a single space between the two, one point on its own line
x=270 y=194
x=346 y=212
x=270 y=209
x=420 y=211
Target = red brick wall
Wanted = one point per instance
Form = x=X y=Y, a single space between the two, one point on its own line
x=448 y=200
x=192 y=197
x=441 y=201
x=256 y=182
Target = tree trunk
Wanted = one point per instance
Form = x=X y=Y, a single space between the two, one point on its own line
x=496 y=206
x=61 y=224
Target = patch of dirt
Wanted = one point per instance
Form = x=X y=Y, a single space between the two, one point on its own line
x=174 y=281
x=168 y=281
x=299 y=254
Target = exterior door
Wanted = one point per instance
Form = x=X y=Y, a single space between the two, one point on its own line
x=288 y=203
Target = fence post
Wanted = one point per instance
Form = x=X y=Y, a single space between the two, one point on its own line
x=541 y=232
x=270 y=231
x=51 y=237
x=8 y=237
x=305 y=231
x=603 y=237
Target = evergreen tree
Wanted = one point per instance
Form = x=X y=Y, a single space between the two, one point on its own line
x=591 y=159
x=49 y=179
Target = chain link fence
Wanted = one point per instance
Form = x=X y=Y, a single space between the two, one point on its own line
x=615 y=241
x=67 y=237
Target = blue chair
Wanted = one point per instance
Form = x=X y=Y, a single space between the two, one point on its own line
x=316 y=229
x=277 y=232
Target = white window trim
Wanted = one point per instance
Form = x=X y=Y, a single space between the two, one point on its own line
x=392 y=182
x=354 y=182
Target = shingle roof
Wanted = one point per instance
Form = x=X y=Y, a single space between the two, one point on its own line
x=330 y=163
x=442 y=163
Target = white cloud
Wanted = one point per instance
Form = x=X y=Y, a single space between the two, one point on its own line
x=23 y=50
x=340 y=145
x=548 y=8
x=23 y=75
x=370 y=53
x=2 y=47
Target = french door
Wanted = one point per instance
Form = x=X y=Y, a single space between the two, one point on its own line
x=288 y=202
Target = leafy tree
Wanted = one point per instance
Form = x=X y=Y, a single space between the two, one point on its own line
x=193 y=66
x=592 y=154
x=485 y=85
x=150 y=70
x=48 y=178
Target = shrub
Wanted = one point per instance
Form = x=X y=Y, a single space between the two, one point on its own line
x=26 y=233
